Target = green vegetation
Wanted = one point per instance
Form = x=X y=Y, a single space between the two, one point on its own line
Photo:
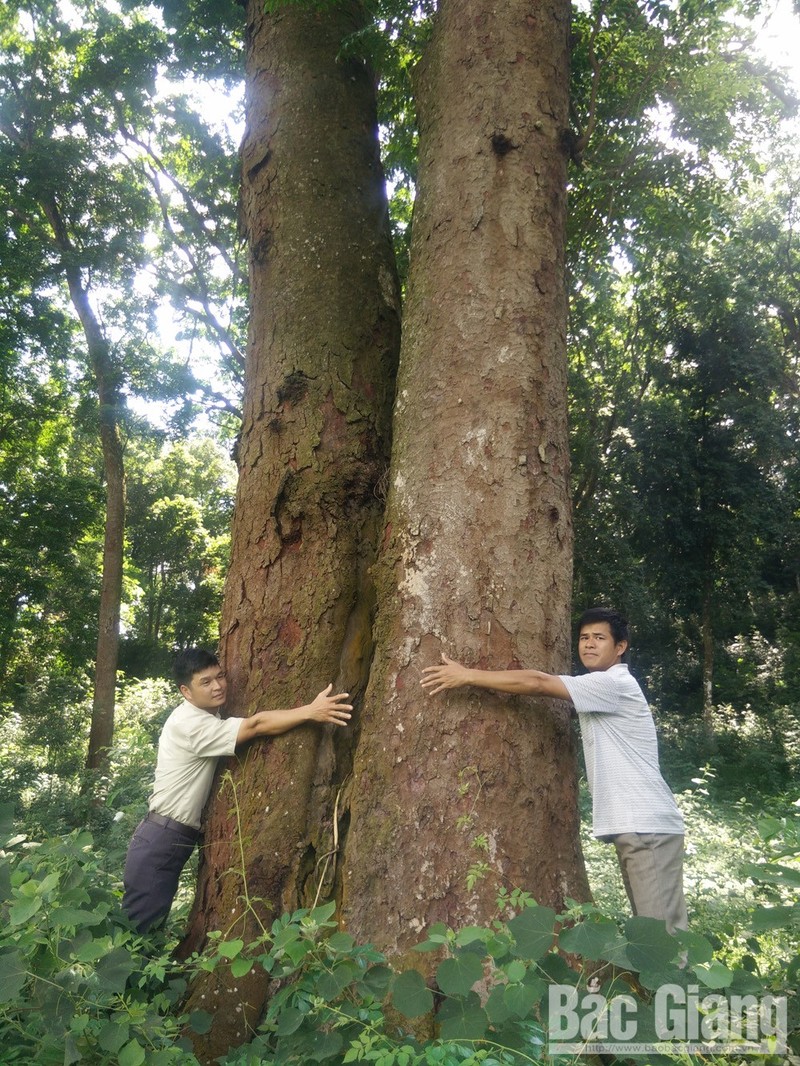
x=76 y=981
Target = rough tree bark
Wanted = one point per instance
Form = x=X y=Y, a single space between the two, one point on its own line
x=313 y=457
x=477 y=548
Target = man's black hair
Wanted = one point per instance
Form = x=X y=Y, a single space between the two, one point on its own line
x=616 y=623
x=190 y=662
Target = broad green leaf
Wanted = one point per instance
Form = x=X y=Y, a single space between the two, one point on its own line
x=462 y=1019
x=516 y=970
x=767 y=918
x=376 y=980
x=113 y=1035
x=239 y=967
x=200 y=1022
x=472 y=933
x=46 y=886
x=456 y=976
x=289 y=1021
x=497 y=1010
x=520 y=998
x=713 y=975
x=75 y=917
x=93 y=950
x=114 y=970
x=229 y=949
x=650 y=946
x=132 y=1054
x=341 y=942
x=773 y=873
x=697 y=948
x=23 y=910
x=410 y=995
x=320 y=915
x=331 y=983
x=591 y=939
x=533 y=932
x=13 y=975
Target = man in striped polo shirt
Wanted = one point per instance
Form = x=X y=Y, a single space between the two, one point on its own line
x=632 y=805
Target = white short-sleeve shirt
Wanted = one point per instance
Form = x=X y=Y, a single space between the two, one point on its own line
x=190 y=743
x=620 y=746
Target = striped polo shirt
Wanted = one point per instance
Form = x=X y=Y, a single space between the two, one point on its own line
x=629 y=795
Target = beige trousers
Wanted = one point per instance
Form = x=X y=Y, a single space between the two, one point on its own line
x=652 y=871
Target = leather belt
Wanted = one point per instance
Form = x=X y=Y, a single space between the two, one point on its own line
x=172 y=823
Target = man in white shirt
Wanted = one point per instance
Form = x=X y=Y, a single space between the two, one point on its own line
x=632 y=805
x=194 y=737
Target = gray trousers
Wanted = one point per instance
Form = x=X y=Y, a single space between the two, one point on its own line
x=652 y=871
x=156 y=856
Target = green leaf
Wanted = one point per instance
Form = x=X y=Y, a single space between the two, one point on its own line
x=471 y=933
x=114 y=970
x=113 y=1035
x=520 y=998
x=200 y=1022
x=75 y=918
x=341 y=942
x=229 y=949
x=516 y=970
x=13 y=975
x=132 y=1054
x=24 y=909
x=697 y=948
x=767 y=918
x=650 y=946
x=410 y=995
x=376 y=980
x=714 y=975
x=462 y=1018
x=533 y=932
x=289 y=1021
x=456 y=976
x=497 y=1010
x=239 y=967
x=320 y=915
x=591 y=939
x=331 y=984
x=773 y=873
x=93 y=949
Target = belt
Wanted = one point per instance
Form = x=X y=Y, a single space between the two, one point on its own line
x=172 y=823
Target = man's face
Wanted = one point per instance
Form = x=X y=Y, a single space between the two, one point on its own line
x=207 y=689
x=596 y=647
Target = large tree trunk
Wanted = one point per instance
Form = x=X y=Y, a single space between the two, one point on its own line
x=313 y=457
x=477 y=546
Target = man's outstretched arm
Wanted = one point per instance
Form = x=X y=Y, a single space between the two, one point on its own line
x=450 y=674
x=325 y=708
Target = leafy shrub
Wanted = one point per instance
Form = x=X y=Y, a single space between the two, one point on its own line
x=77 y=984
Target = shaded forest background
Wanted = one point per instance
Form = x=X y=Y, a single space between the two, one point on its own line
x=123 y=310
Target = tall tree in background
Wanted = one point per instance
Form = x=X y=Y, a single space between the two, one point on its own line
x=313 y=455
x=86 y=216
x=95 y=163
